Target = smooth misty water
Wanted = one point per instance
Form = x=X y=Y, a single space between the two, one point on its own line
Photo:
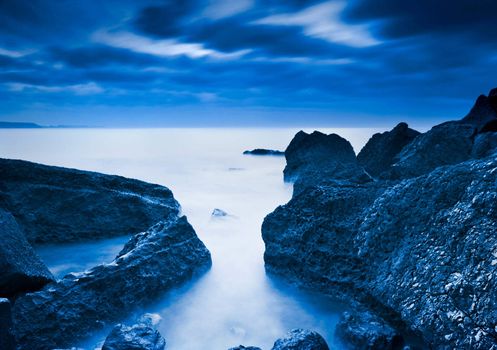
x=235 y=302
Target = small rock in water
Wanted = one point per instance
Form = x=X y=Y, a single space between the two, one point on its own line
x=140 y=336
x=301 y=339
x=264 y=152
x=241 y=347
x=219 y=213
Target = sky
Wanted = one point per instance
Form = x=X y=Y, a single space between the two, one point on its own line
x=356 y=63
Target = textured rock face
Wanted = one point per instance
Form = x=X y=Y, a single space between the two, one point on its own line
x=363 y=330
x=300 y=339
x=424 y=248
x=137 y=337
x=444 y=144
x=417 y=247
x=151 y=263
x=21 y=270
x=379 y=152
x=53 y=204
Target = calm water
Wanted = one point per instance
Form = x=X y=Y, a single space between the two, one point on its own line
x=235 y=302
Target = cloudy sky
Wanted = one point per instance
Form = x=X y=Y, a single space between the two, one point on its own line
x=244 y=62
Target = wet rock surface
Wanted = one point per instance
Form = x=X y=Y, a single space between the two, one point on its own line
x=417 y=248
x=264 y=152
x=380 y=151
x=301 y=339
x=140 y=336
x=21 y=270
x=54 y=204
x=152 y=262
x=362 y=330
x=241 y=347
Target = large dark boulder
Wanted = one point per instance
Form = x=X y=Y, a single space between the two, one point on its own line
x=313 y=157
x=152 y=262
x=6 y=336
x=445 y=144
x=21 y=270
x=379 y=152
x=301 y=339
x=140 y=336
x=362 y=330
x=54 y=204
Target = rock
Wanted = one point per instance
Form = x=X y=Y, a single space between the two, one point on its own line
x=379 y=152
x=21 y=270
x=361 y=330
x=483 y=111
x=241 y=347
x=312 y=158
x=6 y=337
x=445 y=144
x=418 y=248
x=485 y=144
x=140 y=336
x=264 y=152
x=218 y=213
x=300 y=339
x=423 y=250
x=151 y=263
x=316 y=151
x=68 y=205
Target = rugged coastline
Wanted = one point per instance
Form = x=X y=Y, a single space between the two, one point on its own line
x=413 y=242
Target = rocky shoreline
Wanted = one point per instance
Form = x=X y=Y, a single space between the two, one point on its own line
x=406 y=230
x=41 y=203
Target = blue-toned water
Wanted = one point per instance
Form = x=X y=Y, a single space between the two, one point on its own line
x=235 y=302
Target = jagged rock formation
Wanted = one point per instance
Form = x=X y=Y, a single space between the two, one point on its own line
x=151 y=263
x=416 y=246
x=140 y=336
x=21 y=270
x=264 y=152
x=483 y=111
x=301 y=339
x=379 y=152
x=364 y=330
x=71 y=205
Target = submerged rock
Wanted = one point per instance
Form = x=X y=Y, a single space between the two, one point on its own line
x=301 y=339
x=379 y=152
x=218 y=213
x=241 y=347
x=140 y=336
x=152 y=262
x=264 y=152
x=71 y=205
x=21 y=270
x=6 y=336
x=362 y=330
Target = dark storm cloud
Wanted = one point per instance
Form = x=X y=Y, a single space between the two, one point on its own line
x=384 y=57
x=475 y=18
